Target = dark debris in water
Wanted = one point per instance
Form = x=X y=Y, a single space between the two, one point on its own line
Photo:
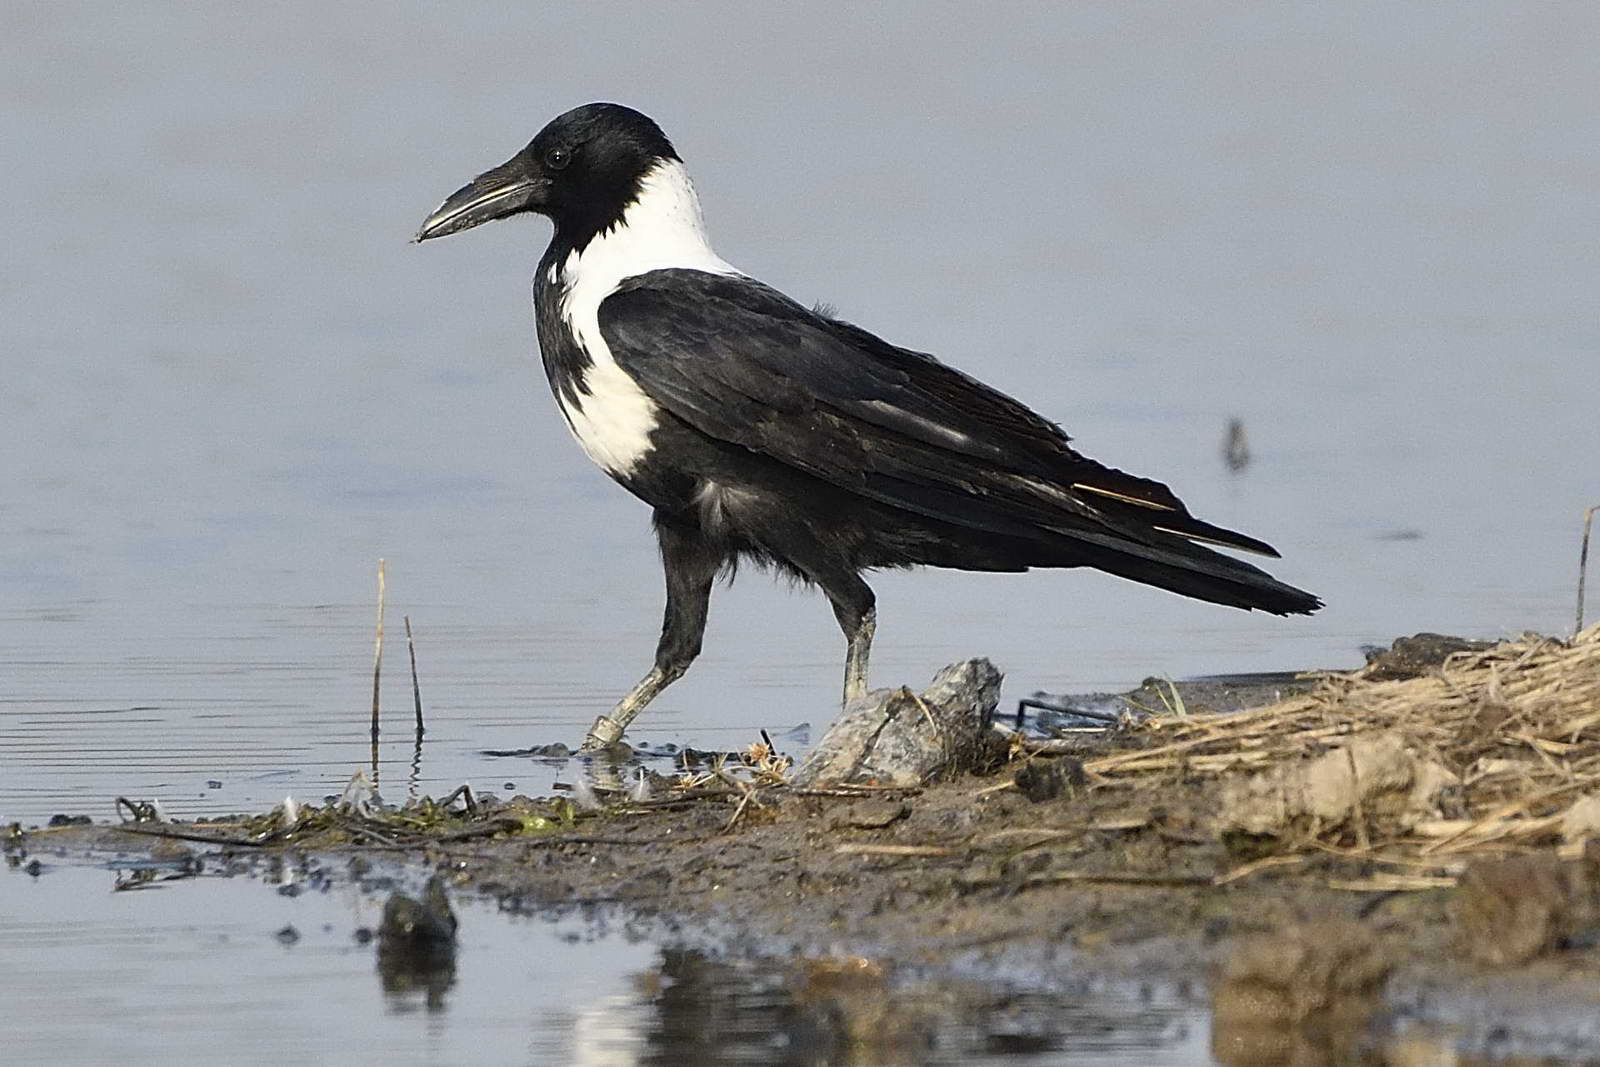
x=1051 y=715
x=643 y=750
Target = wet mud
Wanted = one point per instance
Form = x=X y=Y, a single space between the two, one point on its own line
x=893 y=913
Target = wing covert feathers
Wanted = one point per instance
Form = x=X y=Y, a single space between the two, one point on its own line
x=742 y=363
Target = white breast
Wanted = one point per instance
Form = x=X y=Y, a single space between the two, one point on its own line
x=663 y=229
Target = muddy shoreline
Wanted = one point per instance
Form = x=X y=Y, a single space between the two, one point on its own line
x=985 y=922
x=971 y=879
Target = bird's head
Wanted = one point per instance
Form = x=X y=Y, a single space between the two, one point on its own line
x=582 y=171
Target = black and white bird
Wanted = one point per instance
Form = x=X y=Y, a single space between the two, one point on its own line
x=758 y=428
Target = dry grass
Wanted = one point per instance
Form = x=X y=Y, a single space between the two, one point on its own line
x=1503 y=744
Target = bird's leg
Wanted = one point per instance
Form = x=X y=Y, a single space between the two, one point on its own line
x=856 y=655
x=691 y=565
x=607 y=729
x=856 y=609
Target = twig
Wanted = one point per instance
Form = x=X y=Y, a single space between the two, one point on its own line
x=1391 y=883
x=744 y=802
x=1175 y=707
x=645 y=807
x=580 y=839
x=858 y=790
x=1265 y=863
x=1055 y=746
x=1174 y=881
x=463 y=793
x=1449 y=867
x=141 y=810
x=863 y=789
x=747 y=794
x=1180 y=881
x=923 y=705
x=183 y=835
x=377 y=672
x=372 y=833
x=1042 y=833
x=1583 y=562
x=488 y=829
x=416 y=690
x=1493 y=819
x=863 y=849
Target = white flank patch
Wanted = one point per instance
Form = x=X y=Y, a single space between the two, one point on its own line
x=662 y=230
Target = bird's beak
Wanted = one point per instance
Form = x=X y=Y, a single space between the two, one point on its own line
x=494 y=194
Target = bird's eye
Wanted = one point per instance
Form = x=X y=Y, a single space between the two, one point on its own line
x=557 y=158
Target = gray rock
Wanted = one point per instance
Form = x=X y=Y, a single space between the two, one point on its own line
x=894 y=737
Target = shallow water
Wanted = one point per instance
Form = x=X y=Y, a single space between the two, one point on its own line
x=196 y=970
x=110 y=958
x=231 y=386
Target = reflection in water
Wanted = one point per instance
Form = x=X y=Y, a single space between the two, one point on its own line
x=404 y=974
x=1304 y=994
x=849 y=1010
x=417 y=947
x=136 y=878
x=414 y=778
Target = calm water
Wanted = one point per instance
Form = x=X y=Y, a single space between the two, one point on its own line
x=231 y=386
x=104 y=989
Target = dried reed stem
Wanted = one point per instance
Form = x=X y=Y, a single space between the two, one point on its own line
x=416 y=690
x=1583 y=562
x=1518 y=724
x=377 y=669
x=867 y=849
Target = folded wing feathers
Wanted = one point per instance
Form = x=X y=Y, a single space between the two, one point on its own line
x=1123 y=497
x=975 y=456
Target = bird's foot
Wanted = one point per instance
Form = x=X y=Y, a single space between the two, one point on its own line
x=605 y=732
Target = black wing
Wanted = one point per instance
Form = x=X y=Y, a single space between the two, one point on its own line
x=743 y=363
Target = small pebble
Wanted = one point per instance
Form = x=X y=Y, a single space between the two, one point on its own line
x=288 y=935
